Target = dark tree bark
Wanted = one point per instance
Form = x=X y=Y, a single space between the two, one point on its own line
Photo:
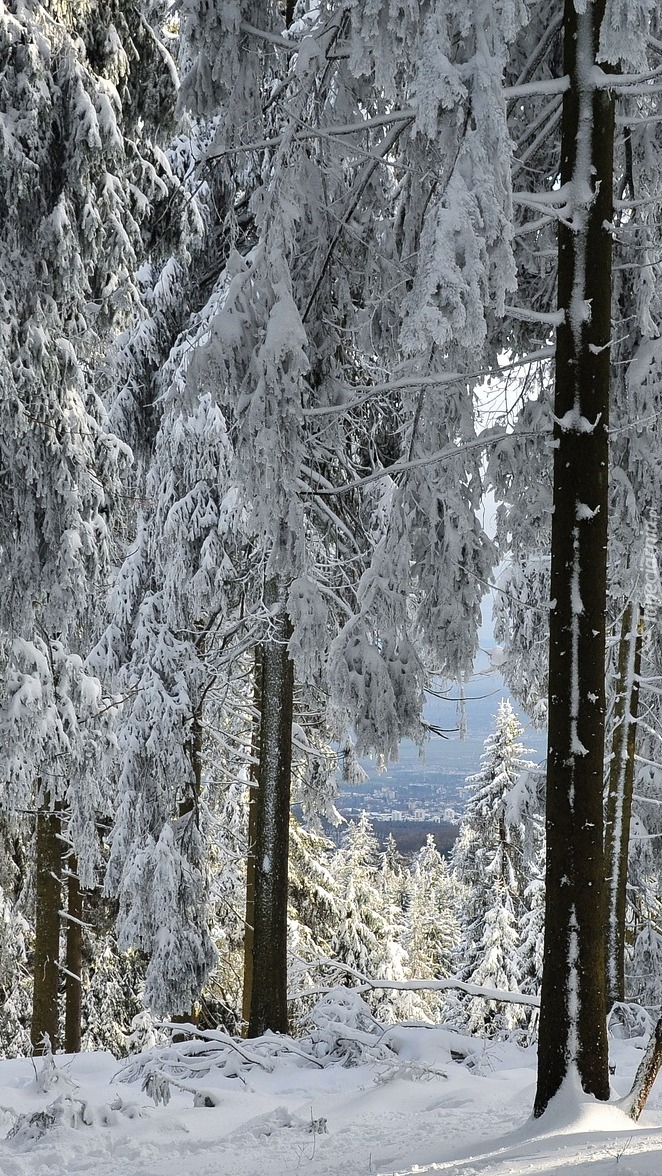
x=572 y=1035
x=252 y=833
x=45 y=1005
x=619 y=796
x=73 y=988
x=269 y=990
x=188 y=811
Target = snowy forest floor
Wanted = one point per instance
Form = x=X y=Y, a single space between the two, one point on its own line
x=417 y=1110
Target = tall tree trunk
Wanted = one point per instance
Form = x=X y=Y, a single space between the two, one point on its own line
x=188 y=808
x=619 y=795
x=572 y=1036
x=252 y=833
x=269 y=992
x=45 y=1007
x=73 y=987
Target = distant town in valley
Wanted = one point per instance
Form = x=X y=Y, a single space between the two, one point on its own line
x=422 y=794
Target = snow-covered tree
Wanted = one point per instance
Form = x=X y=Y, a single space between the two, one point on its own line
x=80 y=176
x=497 y=853
x=604 y=162
x=305 y=326
x=315 y=909
x=360 y=935
x=432 y=928
x=15 y=936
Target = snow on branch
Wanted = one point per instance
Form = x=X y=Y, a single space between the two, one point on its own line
x=327 y=133
x=523 y=313
x=367 y=985
x=530 y=89
x=289 y=43
x=451 y=450
x=573 y=422
x=417 y=381
x=625 y=83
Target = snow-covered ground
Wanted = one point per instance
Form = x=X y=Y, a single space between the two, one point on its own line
x=413 y=1108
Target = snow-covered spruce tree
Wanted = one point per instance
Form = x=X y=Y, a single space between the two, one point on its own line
x=432 y=928
x=394 y=880
x=634 y=494
x=317 y=289
x=360 y=936
x=168 y=592
x=411 y=87
x=634 y=491
x=369 y=935
x=498 y=850
x=315 y=911
x=76 y=186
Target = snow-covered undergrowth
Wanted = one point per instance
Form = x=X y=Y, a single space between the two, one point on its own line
x=349 y=1097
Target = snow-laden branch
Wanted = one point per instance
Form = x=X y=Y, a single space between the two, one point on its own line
x=531 y=89
x=624 y=82
x=328 y=132
x=218 y=1036
x=558 y=198
x=624 y=120
x=523 y=313
x=367 y=985
x=437 y=381
x=290 y=43
x=450 y=451
x=642 y=91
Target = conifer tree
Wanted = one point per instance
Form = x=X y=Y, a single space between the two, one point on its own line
x=303 y=311
x=432 y=929
x=78 y=157
x=360 y=936
x=431 y=916
x=494 y=858
x=366 y=538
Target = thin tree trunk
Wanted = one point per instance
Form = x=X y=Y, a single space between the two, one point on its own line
x=73 y=987
x=647 y=1071
x=188 y=808
x=45 y=1008
x=619 y=796
x=269 y=991
x=252 y=833
x=572 y=1035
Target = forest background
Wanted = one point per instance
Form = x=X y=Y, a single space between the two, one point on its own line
x=257 y=263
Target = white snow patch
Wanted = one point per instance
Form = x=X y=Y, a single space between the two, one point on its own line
x=584 y=513
x=421 y=1111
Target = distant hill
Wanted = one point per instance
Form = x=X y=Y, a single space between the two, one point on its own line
x=411 y=835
